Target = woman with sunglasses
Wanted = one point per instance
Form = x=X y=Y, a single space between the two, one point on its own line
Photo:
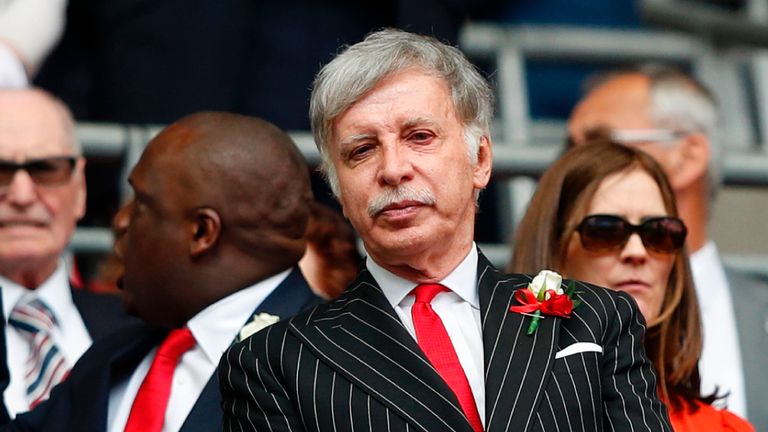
x=606 y=214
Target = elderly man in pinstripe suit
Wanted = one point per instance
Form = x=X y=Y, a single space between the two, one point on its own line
x=424 y=339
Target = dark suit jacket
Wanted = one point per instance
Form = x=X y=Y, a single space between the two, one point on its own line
x=81 y=402
x=101 y=313
x=750 y=306
x=351 y=365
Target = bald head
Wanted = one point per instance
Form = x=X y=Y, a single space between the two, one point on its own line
x=36 y=120
x=226 y=198
x=251 y=173
x=620 y=102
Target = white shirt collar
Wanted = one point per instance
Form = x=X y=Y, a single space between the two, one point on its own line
x=708 y=272
x=462 y=280
x=216 y=326
x=55 y=292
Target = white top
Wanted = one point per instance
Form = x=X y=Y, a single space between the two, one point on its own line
x=459 y=310
x=12 y=73
x=32 y=27
x=720 y=364
x=214 y=329
x=71 y=335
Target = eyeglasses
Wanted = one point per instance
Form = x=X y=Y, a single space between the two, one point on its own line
x=601 y=233
x=639 y=136
x=48 y=171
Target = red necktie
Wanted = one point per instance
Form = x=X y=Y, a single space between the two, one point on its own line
x=436 y=344
x=148 y=410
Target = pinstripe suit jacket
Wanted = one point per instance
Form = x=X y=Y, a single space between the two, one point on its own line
x=351 y=365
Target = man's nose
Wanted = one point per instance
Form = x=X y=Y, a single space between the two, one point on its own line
x=120 y=225
x=395 y=166
x=22 y=190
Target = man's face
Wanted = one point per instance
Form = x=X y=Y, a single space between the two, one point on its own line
x=406 y=181
x=150 y=236
x=36 y=220
x=620 y=104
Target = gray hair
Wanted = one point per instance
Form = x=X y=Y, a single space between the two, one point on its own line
x=680 y=102
x=360 y=67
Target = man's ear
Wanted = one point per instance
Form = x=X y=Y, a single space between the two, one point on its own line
x=206 y=230
x=482 y=171
x=80 y=193
x=691 y=161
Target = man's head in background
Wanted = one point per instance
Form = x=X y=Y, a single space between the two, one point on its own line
x=42 y=184
x=221 y=202
x=671 y=116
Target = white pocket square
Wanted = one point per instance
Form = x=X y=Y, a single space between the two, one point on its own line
x=578 y=347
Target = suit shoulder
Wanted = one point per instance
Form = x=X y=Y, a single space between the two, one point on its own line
x=602 y=308
x=101 y=313
x=748 y=285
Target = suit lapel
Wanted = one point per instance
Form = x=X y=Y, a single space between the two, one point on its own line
x=116 y=357
x=517 y=366
x=361 y=337
x=289 y=298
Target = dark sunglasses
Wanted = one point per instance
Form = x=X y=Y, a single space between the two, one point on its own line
x=600 y=233
x=48 y=171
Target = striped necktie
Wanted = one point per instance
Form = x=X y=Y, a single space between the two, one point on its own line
x=46 y=365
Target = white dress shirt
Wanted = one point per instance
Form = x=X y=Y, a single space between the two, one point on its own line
x=459 y=309
x=214 y=329
x=720 y=363
x=71 y=335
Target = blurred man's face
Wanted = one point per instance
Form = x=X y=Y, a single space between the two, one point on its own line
x=623 y=105
x=151 y=237
x=40 y=203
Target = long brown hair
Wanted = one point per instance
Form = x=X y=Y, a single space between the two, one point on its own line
x=674 y=339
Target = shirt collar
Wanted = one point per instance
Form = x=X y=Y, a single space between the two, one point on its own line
x=708 y=273
x=216 y=326
x=55 y=292
x=462 y=280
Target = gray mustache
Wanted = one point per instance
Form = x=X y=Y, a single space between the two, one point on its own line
x=399 y=194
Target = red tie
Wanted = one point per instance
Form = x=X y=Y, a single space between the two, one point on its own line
x=436 y=344
x=148 y=410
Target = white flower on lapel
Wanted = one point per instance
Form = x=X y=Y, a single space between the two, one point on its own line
x=258 y=322
x=546 y=279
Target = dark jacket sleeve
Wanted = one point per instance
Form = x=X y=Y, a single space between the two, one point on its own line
x=629 y=381
x=254 y=396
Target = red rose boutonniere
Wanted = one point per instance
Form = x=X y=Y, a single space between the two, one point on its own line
x=539 y=299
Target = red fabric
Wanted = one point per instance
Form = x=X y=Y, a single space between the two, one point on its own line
x=556 y=305
x=148 y=409
x=436 y=344
x=707 y=418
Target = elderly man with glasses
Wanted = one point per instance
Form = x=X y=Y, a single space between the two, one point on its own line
x=47 y=324
x=673 y=117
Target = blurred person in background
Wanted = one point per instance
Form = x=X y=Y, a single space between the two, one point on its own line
x=673 y=117
x=331 y=261
x=48 y=324
x=606 y=214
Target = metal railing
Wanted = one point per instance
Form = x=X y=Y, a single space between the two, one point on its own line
x=126 y=142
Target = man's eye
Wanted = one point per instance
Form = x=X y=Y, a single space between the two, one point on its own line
x=421 y=136
x=360 y=151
